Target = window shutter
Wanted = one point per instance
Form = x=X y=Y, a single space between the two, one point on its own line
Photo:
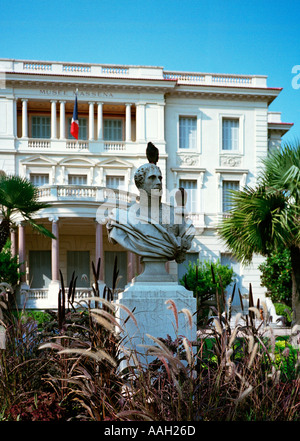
x=187 y=132
x=40 y=127
x=113 y=130
x=116 y=182
x=227 y=187
x=191 y=188
x=39 y=179
x=82 y=124
x=77 y=179
x=230 y=134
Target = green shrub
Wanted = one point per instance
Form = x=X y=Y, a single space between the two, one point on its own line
x=199 y=278
x=285 y=359
x=285 y=311
x=277 y=276
x=40 y=317
x=9 y=266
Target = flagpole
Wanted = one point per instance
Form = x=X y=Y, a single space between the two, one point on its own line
x=77 y=142
x=75 y=122
x=76 y=94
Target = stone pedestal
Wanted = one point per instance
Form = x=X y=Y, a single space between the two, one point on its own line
x=148 y=294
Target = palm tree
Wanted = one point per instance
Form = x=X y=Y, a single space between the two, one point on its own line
x=267 y=217
x=18 y=196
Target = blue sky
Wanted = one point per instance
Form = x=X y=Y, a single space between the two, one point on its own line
x=243 y=37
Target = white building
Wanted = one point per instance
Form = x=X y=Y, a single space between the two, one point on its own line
x=211 y=130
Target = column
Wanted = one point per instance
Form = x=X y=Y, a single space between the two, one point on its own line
x=128 y=122
x=100 y=122
x=53 y=120
x=15 y=120
x=140 y=122
x=91 y=121
x=62 y=120
x=22 y=250
x=139 y=265
x=99 y=249
x=161 y=122
x=13 y=238
x=131 y=267
x=55 y=250
x=24 y=119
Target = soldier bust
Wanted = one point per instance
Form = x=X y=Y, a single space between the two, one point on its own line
x=150 y=228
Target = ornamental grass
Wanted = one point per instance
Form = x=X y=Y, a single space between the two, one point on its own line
x=74 y=366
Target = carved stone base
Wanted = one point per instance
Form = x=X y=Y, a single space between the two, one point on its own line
x=153 y=315
x=154 y=271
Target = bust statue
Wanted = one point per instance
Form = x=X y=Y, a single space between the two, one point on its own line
x=151 y=228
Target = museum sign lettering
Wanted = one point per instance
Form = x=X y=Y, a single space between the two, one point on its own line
x=50 y=92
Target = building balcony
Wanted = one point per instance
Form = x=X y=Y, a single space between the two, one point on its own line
x=33 y=145
x=43 y=298
x=82 y=193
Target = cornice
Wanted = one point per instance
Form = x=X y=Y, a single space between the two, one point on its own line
x=226 y=93
x=16 y=79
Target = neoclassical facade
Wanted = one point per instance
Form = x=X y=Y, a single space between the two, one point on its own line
x=211 y=131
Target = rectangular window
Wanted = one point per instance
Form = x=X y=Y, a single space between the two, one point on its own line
x=187 y=132
x=116 y=182
x=39 y=179
x=109 y=258
x=82 y=123
x=230 y=134
x=191 y=188
x=77 y=179
x=113 y=130
x=228 y=186
x=79 y=261
x=40 y=269
x=41 y=127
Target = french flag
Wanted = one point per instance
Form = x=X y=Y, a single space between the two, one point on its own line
x=74 y=124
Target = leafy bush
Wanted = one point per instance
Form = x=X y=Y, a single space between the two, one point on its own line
x=41 y=317
x=284 y=311
x=200 y=278
x=71 y=369
x=9 y=266
x=42 y=407
x=277 y=276
x=286 y=358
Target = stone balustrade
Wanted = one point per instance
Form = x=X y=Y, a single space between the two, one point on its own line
x=208 y=79
x=82 y=192
x=39 y=298
x=143 y=72
x=73 y=146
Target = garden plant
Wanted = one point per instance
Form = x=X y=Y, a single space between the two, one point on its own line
x=75 y=366
x=265 y=219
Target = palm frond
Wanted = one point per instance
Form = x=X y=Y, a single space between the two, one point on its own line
x=40 y=228
x=282 y=170
x=258 y=222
